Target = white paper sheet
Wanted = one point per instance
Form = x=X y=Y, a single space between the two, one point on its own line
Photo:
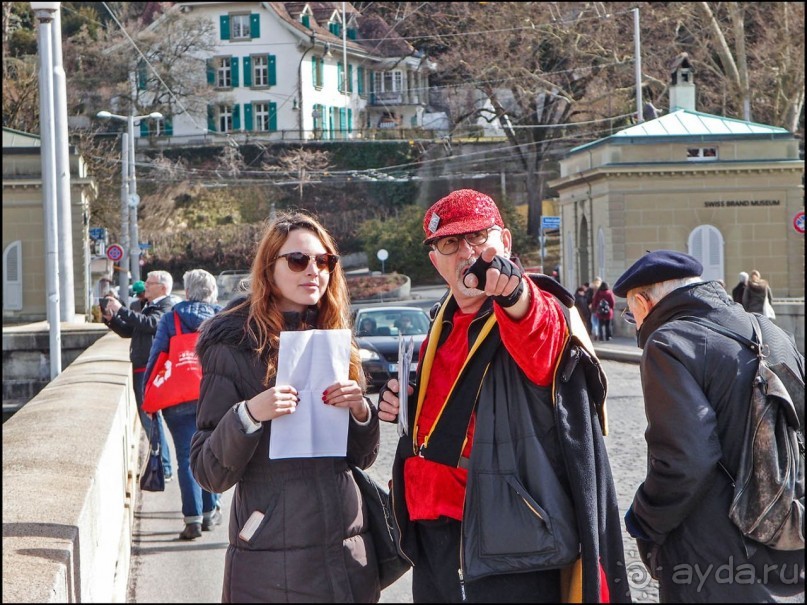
x=311 y=361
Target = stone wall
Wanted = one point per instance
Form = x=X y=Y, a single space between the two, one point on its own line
x=69 y=470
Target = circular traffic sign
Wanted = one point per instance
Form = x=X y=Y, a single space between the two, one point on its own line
x=114 y=252
x=382 y=254
x=798 y=222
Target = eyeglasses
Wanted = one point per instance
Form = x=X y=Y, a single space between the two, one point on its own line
x=449 y=245
x=627 y=315
x=299 y=261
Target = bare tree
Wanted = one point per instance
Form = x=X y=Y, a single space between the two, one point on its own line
x=301 y=163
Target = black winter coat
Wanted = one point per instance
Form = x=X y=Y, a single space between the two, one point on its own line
x=141 y=328
x=313 y=544
x=697 y=386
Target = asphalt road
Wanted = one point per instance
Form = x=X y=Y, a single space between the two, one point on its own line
x=165 y=569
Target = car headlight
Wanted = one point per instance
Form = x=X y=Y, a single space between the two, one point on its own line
x=368 y=355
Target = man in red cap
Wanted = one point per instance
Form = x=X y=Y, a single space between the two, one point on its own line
x=501 y=487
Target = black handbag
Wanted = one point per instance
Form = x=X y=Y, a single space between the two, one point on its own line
x=152 y=477
x=391 y=565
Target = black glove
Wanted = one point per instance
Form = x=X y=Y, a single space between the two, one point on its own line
x=505 y=267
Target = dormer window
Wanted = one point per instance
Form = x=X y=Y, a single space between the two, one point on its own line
x=305 y=17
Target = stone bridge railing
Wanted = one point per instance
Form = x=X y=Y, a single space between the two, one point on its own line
x=69 y=469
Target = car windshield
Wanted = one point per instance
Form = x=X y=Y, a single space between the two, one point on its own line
x=382 y=322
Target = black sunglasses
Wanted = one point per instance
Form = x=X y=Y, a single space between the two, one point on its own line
x=298 y=261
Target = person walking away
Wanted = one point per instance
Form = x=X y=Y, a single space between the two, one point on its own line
x=140 y=327
x=696 y=384
x=739 y=289
x=756 y=291
x=200 y=508
x=312 y=543
x=595 y=321
x=472 y=519
x=581 y=303
x=603 y=307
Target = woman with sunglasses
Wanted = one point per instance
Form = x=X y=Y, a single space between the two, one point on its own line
x=297 y=527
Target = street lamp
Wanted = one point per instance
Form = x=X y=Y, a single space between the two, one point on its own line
x=129 y=199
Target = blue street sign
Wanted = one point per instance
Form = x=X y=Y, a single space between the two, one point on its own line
x=550 y=222
x=97 y=233
x=144 y=245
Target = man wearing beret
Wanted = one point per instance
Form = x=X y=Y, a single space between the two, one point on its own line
x=697 y=384
x=501 y=487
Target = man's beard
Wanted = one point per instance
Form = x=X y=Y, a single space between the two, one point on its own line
x=460 y=284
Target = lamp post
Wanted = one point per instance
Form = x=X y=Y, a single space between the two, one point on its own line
x=44 y=12
x=129 y=199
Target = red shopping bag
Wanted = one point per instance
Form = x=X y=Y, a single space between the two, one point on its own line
x=177 y=374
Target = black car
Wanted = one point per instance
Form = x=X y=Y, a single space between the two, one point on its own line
x=377 y=330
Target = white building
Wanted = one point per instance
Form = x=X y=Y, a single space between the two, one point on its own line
x=278 y=70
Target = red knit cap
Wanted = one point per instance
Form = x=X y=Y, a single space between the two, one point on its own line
x=462 y=211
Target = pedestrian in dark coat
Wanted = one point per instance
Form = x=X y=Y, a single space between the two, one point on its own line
x=141 y=326
x=739 y=289
x=501 y=486
x=312 y=542
x=582 y=304
x=697 y=386
x=756 y=291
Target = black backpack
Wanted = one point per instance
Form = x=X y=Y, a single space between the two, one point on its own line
x=604 y=309
x=768 y=502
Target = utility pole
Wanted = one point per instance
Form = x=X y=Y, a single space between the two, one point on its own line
x=44 y=11
x=347 y=82
x=129 y=199
x=637 y=52
x=67 y=294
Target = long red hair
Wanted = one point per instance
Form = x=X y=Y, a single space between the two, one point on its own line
x=265 y=320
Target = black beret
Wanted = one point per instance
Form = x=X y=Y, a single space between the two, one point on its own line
x=655 y=267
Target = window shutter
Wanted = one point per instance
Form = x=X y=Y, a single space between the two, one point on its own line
x=255 y=25
x=272 y=70
x=211 y=72
x=142 y=75
x=349 y=77
x=234 y=71
x=349 y=120
x=272 y=116
x=211 y=119
x=247 y=71
x=224 y=20
x=248 y=116
x=12 y=277
x=306 y=21
x=313 y=71
x=144 y=129
x=236 y=117
x=169 y=127
x=360 y=74
x=340 y=77
x=351 y=33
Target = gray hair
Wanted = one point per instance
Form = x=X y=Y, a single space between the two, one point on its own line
x=661 y=289
x=743 y=276
x=200 y=286
x=164 y=277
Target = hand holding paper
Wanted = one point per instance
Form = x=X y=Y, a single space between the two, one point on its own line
x=406 y=348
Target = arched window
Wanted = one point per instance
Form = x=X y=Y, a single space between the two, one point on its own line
x=706 y=244
x=12 y=277
x=601 y=252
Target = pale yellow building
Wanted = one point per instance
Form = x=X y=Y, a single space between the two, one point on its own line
x=24 y=273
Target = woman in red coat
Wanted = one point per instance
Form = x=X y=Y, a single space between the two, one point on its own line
x=605 y=315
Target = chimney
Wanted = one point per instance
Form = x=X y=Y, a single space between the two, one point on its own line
x=682 y=86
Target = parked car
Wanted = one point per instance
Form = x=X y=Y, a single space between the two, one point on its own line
x=231 y=283
x=377 y=330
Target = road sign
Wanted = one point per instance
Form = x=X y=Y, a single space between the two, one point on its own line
x=114 y=252
x=97 y=233
x=144 y=245
x=382 y=254
x=550 y=222
x=798 y=222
